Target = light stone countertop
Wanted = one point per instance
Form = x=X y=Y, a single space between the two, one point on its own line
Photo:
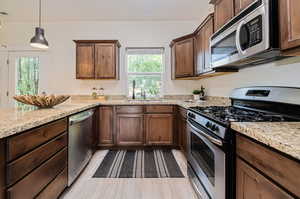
x=283 y=136
x=13 y=121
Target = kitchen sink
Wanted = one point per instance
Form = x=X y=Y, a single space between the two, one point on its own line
x=145 y=100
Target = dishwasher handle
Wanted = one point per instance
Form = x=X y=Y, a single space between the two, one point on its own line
x=83 y=116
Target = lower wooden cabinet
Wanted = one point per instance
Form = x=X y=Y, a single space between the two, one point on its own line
x=56 y=187
x=159 y=129
x=106 y=118
x=130 y=129
x=252 y=185
x=181 y=130
x=2 y=169
x=264 y=173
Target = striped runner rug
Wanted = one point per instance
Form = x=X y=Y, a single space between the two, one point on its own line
x=148 y=163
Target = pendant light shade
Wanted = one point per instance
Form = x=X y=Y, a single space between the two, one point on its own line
x=39 y=40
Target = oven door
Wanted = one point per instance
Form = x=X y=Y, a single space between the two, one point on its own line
x=206 y=157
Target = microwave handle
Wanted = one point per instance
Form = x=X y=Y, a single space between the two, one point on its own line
x=237 y=38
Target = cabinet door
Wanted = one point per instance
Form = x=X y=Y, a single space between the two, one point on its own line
x=224 y=11
x=251 y=184
x=130 y=129
x=241 y=5
x=106 y=125
x=159 y=129
x=85 y=68
x=2 y=170
x=105 y=61
x=184 y=58
x=182 y=133
x=289 y=24
x=199 y=52
x=202 y=43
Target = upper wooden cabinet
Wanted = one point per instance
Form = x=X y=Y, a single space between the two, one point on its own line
x=85 y=67
x=290 y=26
x=224 y=11
x=241 y=5
x=182 y=53
x=202 y=45
x=97 y=59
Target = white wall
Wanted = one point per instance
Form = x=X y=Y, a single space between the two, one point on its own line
x=281 y=73
x=58 y=76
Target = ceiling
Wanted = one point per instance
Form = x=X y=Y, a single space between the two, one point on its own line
x=94 y=10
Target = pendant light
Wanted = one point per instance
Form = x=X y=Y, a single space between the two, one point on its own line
x=39 y=40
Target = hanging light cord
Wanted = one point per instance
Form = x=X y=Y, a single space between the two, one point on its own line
x=40 y=11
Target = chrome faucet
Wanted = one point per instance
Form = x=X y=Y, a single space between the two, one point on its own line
x=133 y=89
x=143 y=94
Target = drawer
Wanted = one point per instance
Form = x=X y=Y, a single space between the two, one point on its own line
x=23 y=165
x=270 y=163
x=159 y=109
x=37 y=180
x=182 y=111
x=21 y=144
x=129 y=109
x=56 y=187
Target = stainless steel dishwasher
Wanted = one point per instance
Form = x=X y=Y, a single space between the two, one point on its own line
x=80 y=143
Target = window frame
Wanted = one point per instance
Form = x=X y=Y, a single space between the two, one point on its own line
x=162 y=73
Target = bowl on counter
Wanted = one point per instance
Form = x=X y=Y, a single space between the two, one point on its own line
x=42 y=101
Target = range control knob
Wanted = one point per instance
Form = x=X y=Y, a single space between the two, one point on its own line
x=217 y=129
x=208 y=124
x=214 y=127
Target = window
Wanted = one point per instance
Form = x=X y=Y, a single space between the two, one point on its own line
x=145 y=67
x=27 y=82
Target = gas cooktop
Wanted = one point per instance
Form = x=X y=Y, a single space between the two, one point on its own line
x=226 y=114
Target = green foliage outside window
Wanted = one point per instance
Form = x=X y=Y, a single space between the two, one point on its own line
x=146 y=70
x=27 y=76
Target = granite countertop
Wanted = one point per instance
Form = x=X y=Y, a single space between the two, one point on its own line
x=13 y=121
x=283 y=136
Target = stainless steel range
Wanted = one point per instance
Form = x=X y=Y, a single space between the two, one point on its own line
x=211 y=155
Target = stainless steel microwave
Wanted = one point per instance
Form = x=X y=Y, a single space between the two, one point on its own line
x=250 y=38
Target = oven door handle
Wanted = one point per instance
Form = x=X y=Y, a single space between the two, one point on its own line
x=210 y=138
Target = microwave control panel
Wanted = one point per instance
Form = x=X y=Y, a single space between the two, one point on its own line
x=255 y=31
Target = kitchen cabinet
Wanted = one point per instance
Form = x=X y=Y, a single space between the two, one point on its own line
x=251 y=184
x=106 y=117
x=106 y=61
x=182 y=56
x=35 y=160
x=85 y=66
x=181 y=129
x=202 y=45
x=224 y=11
x=2 y=169
x=261 y=169
x=159 y=129
x=130 y=129
x=290 y=26
x=240 y=5
x=97 y=59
